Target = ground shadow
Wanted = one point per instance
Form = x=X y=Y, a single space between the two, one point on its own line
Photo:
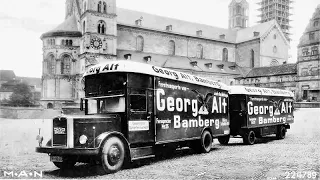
x=261 y=140
x=82 y=170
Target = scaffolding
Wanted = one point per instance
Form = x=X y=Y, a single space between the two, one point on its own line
x=278 y=10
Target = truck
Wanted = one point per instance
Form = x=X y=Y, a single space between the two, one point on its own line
x=257 y=112
x=133 y=110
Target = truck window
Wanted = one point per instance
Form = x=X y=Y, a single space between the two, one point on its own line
x=138 y=101
x=106 y=105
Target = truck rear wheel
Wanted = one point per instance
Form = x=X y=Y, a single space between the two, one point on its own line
x=249 y=137
x=224 y=139
x=112 y=155
x=281 y=134
x=206 y=141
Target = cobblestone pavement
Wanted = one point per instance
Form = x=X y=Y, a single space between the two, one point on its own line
x=295 y=157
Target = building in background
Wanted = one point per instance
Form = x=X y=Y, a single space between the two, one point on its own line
x=8 y=80
x=308 y=79
x=278 y=10
x=96 y=31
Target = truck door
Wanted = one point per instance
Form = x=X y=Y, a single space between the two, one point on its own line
x=141 y=115
x=238 y=113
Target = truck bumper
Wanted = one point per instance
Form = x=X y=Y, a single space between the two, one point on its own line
x=67 y=151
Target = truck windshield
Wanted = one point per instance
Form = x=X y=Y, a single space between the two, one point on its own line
x=103 y=105
x=105 y=84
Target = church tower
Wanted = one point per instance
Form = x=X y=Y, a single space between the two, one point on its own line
x=238 y=14
x=99 y=30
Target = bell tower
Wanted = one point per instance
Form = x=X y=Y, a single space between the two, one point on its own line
x=99 y=32
x=238 y=14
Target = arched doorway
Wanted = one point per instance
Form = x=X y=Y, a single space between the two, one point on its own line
x=49 y=106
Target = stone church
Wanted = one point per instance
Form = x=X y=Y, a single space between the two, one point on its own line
x=96 y=31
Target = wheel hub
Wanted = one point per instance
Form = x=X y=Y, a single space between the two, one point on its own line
x=114 y=155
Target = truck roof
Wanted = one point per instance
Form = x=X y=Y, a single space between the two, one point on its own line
x=136 y=67
x=259 y=91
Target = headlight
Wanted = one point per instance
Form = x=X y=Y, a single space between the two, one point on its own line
x=83 y=139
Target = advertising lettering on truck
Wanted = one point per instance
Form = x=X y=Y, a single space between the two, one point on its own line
x=266 y=106
x=184 y=110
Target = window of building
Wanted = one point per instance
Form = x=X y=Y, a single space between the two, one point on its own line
x=275 y=49
x=84 y=6
x=274 y=36
x=199 y=51
x=252 y=58
x=225 y=54
x=101 y=27
x=274 y=62
x=315 y=23
x=104 y=7
x=238 y=9
x=172 y=47
x=311 y=36
x=65 y=64
x=314 y=50
x=238 y=21
x=99 y=6
x=63 y=42
x=84 y=27
x=140 y=43
x=305 y=52
x=304 y=72
x=51 y=64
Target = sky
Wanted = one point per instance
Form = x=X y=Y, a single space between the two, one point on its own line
x=22 y=22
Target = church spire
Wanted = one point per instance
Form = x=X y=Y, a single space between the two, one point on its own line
x=238 y=14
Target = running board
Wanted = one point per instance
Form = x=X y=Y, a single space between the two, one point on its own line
x=142 y=152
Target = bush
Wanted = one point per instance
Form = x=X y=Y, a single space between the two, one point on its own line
x=21 y=96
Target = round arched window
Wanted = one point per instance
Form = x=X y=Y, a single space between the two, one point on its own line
x=274 y=36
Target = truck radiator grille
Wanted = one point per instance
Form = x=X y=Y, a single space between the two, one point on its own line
x=59 y=137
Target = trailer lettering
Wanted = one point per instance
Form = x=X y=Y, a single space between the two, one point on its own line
x=259 y=109
x=271 y=120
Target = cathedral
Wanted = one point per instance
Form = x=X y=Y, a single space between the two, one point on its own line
x=96 y=31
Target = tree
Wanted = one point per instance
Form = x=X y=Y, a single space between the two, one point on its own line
x=21 y=96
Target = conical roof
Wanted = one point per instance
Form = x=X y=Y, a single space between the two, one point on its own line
x=67 y=29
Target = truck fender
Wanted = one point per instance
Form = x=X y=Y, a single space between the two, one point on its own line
x=104 y=136
x=205 y=128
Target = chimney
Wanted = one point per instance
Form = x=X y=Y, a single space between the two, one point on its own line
x=169 y=28
x=127 y=56
x=209 y=65
x=199 y=33
x=147 y=58
x=256 y=34
x=139 y=21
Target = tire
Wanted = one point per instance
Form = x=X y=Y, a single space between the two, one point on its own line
x=206 y=142
x=112 y=155
x=224 y=140
x=249 y=138
x=281 y=134
x=66 y=164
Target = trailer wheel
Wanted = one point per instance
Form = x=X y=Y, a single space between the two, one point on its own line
x=249 y=137
x=112 y=155
x=206 y=142
x=224 y=139
x=66 y=164
x=281 y=134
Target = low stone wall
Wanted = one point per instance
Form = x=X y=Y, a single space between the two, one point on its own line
x=307 y=105
x=27 y=113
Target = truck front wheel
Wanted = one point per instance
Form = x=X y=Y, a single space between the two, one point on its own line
x=224 y=140
x=113 y=155
x=249 y=137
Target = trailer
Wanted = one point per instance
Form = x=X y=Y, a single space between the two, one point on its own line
x=257 y=112
x=133 y=110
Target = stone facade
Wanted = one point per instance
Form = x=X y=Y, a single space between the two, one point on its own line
x=96 y=31
x=308 y=81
